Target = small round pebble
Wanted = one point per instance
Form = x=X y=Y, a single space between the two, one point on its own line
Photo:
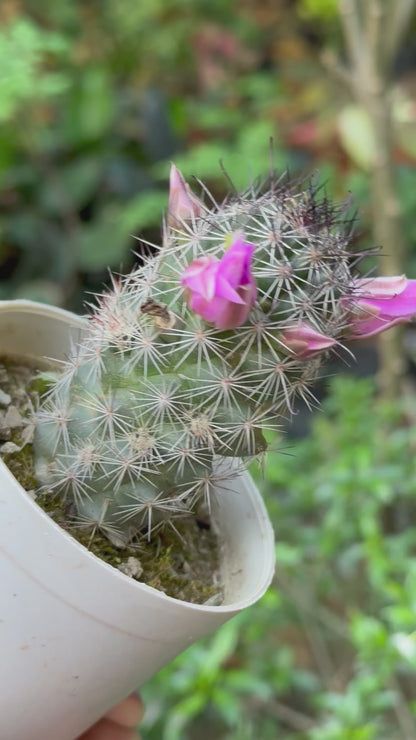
x=132 y=567
x=5 y=399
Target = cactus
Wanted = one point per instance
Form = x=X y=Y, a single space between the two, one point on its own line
x=188 y=360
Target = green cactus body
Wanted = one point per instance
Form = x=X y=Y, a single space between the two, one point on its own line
x=155 y=405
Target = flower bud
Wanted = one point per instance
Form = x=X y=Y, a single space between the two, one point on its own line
x=379 y=303
x=183 y=204
x=303 y=341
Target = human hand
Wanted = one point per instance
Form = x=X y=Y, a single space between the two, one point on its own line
x=119 y=723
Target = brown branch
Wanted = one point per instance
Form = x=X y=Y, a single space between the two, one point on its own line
x=351 y=22
x=328 y=618
x=336 y=69
x=398 y=18
x=375 y=33
x=318 y=648
x=405 y=718
x=292 y=717
x=366 y=35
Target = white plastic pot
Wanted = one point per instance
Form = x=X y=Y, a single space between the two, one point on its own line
x=76 y=635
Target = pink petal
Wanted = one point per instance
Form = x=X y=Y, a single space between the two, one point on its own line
x=303 y=340
x=224 y=290
x=235 y=264
x=200 y=276
x=402 y=305
x=233 y=315
x=364 y=329
x=381 y=287
x=183 y=205
x=381 y=303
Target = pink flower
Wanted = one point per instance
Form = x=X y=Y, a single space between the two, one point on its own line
x=303 y=341
x=183 y=204
x=222 y=291
x=379 y=303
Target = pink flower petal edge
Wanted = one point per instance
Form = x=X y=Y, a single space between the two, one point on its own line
x=380 y=303
x=303 y=341
x=183 y=205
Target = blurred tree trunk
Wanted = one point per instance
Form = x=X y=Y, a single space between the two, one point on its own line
x=373 y=31
x=387 y=231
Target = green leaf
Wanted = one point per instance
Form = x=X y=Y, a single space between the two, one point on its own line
x=181 y=716
x=227 y=705
x=222 y=646
x=145 y=210
x=202 y=160
x=318 y=9
x=91 y=106
x=68 y=189
x=100 y=244
x=40 y=290
x=248 y=683
x=23 y=49
x=357 y=136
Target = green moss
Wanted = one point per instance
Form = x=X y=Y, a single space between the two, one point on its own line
x=21 y=465
x=184 y=565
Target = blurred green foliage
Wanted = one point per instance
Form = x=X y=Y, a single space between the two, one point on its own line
x=319 y=9
x=95 y=102
x=22 y=49
x=97 y=98
x=330 y=651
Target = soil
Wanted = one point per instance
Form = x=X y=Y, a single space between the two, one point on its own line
x=183 y=564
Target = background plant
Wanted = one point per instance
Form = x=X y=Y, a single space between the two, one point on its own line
x=330 y=651
x=84 y=161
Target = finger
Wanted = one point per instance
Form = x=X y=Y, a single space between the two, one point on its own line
x=127 y=713
x=107 y=730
